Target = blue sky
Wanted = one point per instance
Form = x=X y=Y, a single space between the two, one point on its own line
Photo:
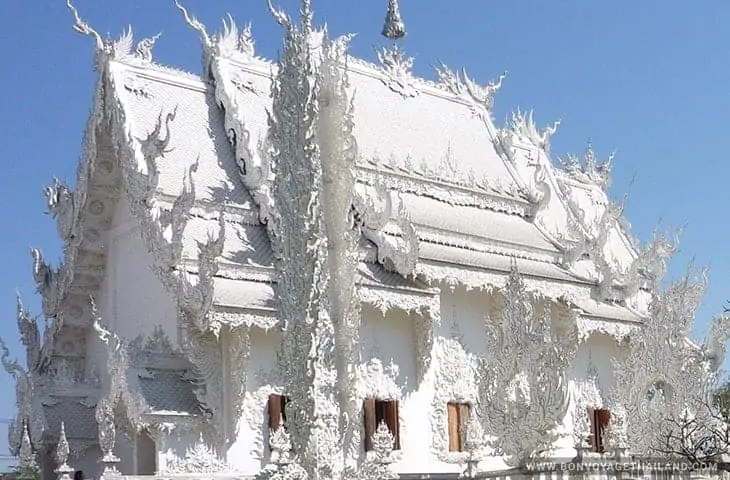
x=647 y=79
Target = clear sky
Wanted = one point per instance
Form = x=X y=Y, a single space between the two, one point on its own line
x=648 y=79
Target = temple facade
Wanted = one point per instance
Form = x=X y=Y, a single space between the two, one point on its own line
x=320 y=267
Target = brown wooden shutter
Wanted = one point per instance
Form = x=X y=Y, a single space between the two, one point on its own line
x=453 y=415
x=391 y=419
x=369 y=420
x=275 y=411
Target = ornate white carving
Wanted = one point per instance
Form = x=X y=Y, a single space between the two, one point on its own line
x=157 y=345
x=29 y=414
x=249 y=146
x=377 y=464
x=589 y=171
x=200 y=458
x=63 y=470
x=525 y=393
x=378 y=380
x=26 y=455
x=455 y=187
x=481 y=98
x=663 y=365
x=154 y=146
x=228 y=44
x=282 y=465
x=300 y=227
x=116 y=391
x=120 y=49
x=455 y=380
x=203 y=351
x=61 y=205
x=523 y=125
x=397 y=66
x=398 y=253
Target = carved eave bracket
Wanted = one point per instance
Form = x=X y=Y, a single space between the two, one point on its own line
x=398 y=252
x=481 y=98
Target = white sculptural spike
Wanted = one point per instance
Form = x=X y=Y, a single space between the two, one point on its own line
x=394 y=28
x=62 y=452
x=26 y=457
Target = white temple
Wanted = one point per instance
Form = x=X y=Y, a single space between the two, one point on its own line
x=320 y=267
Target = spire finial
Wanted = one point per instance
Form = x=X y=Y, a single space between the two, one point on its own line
x=394 y=27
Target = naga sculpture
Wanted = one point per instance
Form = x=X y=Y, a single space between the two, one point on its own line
x=60 y=204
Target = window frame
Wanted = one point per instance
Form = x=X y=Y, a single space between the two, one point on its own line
x=381 y=410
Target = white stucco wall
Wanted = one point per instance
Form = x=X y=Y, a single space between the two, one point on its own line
x=250 y=451
x=135 y=300
x=387 y=371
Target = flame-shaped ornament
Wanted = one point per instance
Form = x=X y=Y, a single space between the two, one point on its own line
x=394 y=28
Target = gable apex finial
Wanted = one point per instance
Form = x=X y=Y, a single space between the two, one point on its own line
x=394 y=28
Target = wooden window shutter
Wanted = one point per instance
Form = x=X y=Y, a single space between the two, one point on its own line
x=370 y=422
x=391 y=420
x=275 y=411
x=453 y=417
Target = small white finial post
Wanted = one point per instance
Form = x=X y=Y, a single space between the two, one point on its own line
x=26 y=457
x=63 y=470
x=394 y=28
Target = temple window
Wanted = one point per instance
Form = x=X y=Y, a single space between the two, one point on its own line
x=377 y=411
x=277 y=411
x=599 y=418
x=458 y=416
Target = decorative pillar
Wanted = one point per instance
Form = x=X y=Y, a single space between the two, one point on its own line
x=473 y=443
x=283 y=466
x=377 y=464
x=614 y=436
x=64 y=471
x=107 y=438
